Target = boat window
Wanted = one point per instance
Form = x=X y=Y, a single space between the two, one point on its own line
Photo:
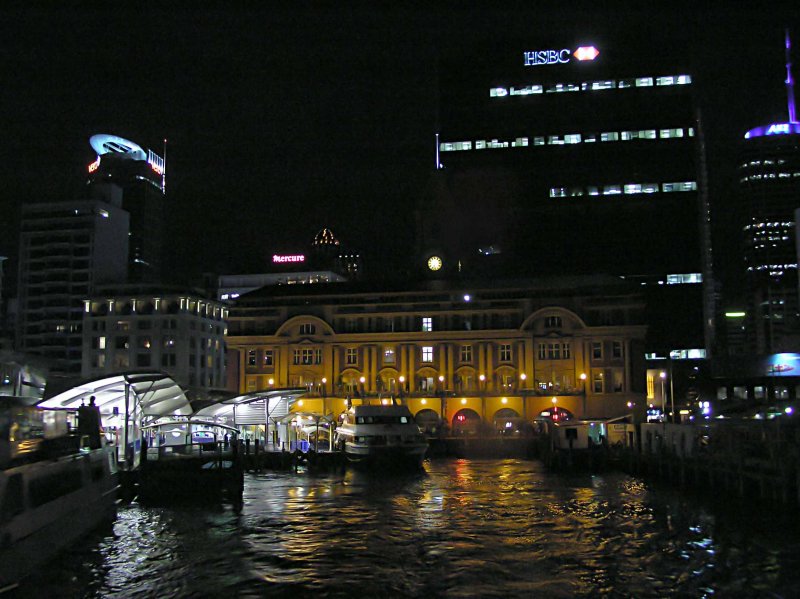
x=12 y=498
x=404 y=419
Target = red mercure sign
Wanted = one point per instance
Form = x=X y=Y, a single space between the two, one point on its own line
x=282 y=259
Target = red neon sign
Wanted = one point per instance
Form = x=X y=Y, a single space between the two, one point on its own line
x=94 y=165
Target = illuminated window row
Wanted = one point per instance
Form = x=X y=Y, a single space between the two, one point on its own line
x=567 y=139
x=554 y=88
x=627 y=189
x=765 y=176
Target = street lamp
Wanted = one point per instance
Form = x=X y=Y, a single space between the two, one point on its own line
x=583 y=385
x=522 y=378
x=663 y=376
x=402 y=380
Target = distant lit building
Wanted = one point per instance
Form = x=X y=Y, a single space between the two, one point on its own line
x=572 y=157
x=457 y=352
x=326 y=262
x=769 y=196
x=66 y=250
x=152 y=328
x=140 y=176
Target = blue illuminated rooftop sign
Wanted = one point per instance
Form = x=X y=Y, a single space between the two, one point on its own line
x=774 y=129
x=539 y=57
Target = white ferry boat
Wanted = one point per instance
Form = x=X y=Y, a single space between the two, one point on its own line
x=52 y=491
x=381 y=434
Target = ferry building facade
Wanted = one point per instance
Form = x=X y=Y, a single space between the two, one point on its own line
x=458 y=354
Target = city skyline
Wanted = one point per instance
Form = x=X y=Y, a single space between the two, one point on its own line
x=283 y=122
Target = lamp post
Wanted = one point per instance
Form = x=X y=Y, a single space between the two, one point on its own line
x=583 y=384
x=663 y=377
x=362 y=380
x=402 y=380
x=522 y=378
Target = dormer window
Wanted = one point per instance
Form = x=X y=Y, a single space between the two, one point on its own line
x=307 y=329
x=553 y=322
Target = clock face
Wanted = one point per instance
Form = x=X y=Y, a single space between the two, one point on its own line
x=434 y=262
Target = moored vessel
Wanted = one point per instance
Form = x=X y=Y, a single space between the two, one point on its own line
x=383 y=434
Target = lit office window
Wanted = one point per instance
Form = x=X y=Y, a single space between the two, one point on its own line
x=494 y=144
x=610 y=190
x=691 y=131
x=498 y=92
x=669 y=80
x=558 y=192
x=679 y=186
x=575 y=192
x=609 y=136
x=644 y=82
x=589 y=138
x=572 y=138
x=647 y=134
x=480 y=144
x=670 y=133
x=625 y=83
x=427 y=354
x=684 y=79
x=538 y=141
x=555 y=140
x=608 y=84
x=632 y=188
x=527 y=90
x=592 y=191
x=649 y=187
x=427 y=324
x=520 y=142
x=389 y=356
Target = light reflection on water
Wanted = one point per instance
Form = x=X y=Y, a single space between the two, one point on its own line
x=461 y=528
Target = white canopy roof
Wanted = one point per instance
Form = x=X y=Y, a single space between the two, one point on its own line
x=226 y=408
x=155 y=394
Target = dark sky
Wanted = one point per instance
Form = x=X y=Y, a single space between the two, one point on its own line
x=281 y=122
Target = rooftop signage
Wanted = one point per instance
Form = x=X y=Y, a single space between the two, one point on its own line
x=563 y=56
x=774 y=129
x=284 y=258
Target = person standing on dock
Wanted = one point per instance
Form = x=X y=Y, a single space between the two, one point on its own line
x=89 y=423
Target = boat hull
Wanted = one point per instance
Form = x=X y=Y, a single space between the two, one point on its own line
x=388 y=456
x=40 y=529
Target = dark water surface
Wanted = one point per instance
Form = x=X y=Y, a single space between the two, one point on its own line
x=502 y=528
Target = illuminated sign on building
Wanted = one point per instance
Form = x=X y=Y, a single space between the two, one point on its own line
x=282 y=259
x=94 y=165
x=774 y=129
x=539 y=57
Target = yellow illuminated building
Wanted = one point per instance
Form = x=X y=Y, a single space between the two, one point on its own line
x=465 y=354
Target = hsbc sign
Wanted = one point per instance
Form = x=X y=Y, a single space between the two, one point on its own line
x=541 y=57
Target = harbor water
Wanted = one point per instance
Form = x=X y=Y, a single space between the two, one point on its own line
x=461 y=528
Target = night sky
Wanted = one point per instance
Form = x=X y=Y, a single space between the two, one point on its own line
x=281 y=122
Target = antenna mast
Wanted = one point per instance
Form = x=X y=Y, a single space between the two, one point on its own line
x=789 y=80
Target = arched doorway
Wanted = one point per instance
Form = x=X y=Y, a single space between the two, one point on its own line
x=466 y=422
x=507 y=421
x=428 y=421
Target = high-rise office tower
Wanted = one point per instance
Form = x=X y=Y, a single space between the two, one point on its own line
x=769 y=193
x=66 y=249
x=573 y=156
x=141 y=175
